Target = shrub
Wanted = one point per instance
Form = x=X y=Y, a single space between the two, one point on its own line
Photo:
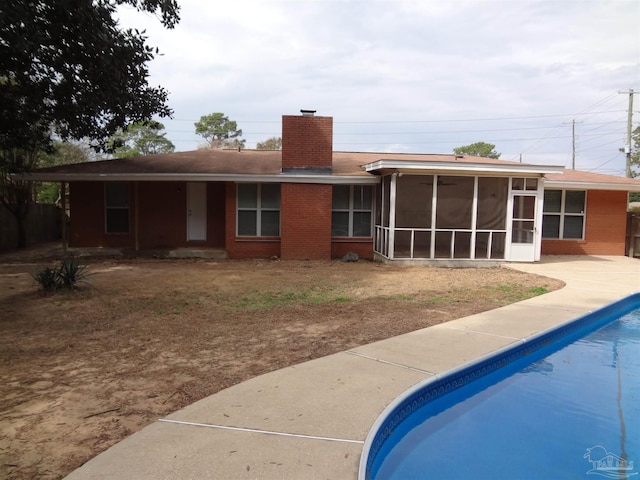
x=48 y=279
x=71 y=272
x=67 y=275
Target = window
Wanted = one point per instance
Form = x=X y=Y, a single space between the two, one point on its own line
x=530 y=184
x=564 y=214
x=117 y=207
x=258 y=210
x=351 y=211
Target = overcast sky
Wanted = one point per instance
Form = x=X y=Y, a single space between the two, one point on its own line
x=409 y=76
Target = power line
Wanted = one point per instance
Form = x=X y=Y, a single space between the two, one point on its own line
x=428 y=132
x=426 y=121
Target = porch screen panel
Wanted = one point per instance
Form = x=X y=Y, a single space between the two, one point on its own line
x=492 y=203
x=497 y=245
x=414 y=195
x=482 y=245
x=443 y=244
x=386 y=199
x=422 y=245
x=462 y=247
x=455 y=202
x=402 y=244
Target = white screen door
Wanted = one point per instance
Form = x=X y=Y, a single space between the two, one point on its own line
x=196 y=211
x=523 y=228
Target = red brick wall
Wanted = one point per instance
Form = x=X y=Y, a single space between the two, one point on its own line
x=605 y=231
x=162 y=221
x=87 y=221
x=305 y=227
x=239 y=247
x=307 y=142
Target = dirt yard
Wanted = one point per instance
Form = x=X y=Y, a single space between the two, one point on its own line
x=81 y=370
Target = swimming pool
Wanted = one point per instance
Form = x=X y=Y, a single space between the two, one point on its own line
x=563 y=404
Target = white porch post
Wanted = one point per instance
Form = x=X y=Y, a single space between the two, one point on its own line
x=392 y=215
x=474 y=219
x=509 y=222
x=434 y=210
x=537 y=226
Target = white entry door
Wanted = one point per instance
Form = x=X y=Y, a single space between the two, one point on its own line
x=524 y=227
x=196 y=211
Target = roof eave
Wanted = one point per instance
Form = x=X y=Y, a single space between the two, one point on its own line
x=569 y=185
x=198 y=177
x=400 y=165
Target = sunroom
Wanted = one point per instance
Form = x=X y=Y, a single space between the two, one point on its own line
x=458 y=211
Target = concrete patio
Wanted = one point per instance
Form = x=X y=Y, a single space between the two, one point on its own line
x=310 y=421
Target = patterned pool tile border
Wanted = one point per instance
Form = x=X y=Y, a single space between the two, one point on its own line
x=442 y=384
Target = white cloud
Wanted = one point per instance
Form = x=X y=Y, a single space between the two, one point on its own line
x=399 y=61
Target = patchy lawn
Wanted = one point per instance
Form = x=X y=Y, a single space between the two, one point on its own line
x=81 y=370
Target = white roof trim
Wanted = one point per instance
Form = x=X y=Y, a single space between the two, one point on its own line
x=200 y=177
x=627 y=187
x=461 y=166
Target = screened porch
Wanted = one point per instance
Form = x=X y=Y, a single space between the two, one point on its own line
x=459 y=217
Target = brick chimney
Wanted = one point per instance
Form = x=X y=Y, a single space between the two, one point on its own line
x=305 y=221
x=307 y=143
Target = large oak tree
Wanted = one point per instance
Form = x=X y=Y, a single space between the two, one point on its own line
x=219 y=131
x=69 y=71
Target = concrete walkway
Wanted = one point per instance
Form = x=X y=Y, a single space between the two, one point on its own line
x=310 y=421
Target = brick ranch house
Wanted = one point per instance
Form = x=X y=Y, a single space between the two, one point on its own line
x=309 y=202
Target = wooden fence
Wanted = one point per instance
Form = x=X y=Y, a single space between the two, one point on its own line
x=42 y=225
x=633 y=235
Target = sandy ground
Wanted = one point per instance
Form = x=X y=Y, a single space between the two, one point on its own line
x=81 y=370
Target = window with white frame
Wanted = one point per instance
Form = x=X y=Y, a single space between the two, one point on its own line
x=564 y=214
x=351 y=211
x=116 y=207
x=258 y=209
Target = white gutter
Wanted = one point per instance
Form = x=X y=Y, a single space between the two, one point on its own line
x=461 y=166
x=199 y=177
x=626 y=187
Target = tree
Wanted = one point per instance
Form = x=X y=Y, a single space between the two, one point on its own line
x=67 y=66
x=479 y=149
x=142 y=138
x=67 y=71
x=219 y=131
x=16 y=195
x=273 y=143
x=64 y=153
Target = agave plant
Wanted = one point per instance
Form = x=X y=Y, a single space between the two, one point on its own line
x=48 y=279
x=67 y=275
x=71 y=272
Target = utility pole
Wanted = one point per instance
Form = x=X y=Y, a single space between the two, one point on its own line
x=627 y=147
x=573 y=143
